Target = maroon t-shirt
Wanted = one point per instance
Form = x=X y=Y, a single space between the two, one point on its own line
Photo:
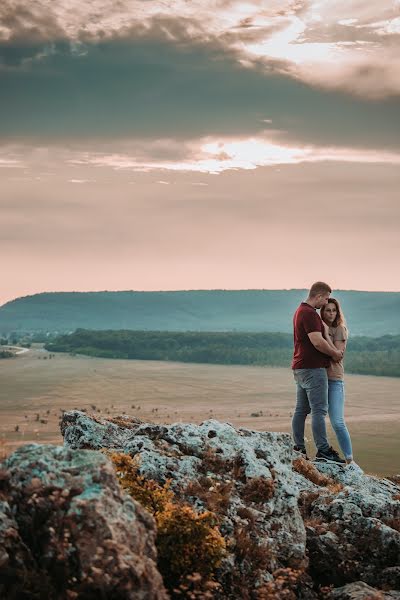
x=306 y=356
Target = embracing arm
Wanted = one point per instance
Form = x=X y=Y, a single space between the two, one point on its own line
x=325 y=347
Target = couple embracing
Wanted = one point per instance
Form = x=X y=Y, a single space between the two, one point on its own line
x=319 y=346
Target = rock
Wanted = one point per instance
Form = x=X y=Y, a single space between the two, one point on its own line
x=244 y=476
x=67 y=530
x=266 y=512
x=361 y=591
x=353 y=530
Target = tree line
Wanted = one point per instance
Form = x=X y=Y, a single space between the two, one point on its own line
x=369 y=356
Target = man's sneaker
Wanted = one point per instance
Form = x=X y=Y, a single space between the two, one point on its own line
x=354 y=468
x=329 y=455
x=300 y=451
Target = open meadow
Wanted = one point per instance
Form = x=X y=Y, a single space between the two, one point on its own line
x=35 y=389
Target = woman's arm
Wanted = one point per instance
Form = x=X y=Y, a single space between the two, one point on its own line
x=340 y=345
x=327 y=336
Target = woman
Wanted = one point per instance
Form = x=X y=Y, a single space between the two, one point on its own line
x=337 y=334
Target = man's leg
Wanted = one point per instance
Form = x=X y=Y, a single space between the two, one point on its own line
x=316 y=385
x=300 y=412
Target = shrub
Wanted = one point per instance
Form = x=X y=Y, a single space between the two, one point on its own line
x=189 y=544
x=154 y=497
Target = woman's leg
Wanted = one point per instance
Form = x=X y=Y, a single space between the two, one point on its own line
x=336 y=416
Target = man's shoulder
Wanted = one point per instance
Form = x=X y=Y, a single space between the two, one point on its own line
x=306 y=309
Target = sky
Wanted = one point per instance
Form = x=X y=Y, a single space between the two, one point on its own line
x=213 y=144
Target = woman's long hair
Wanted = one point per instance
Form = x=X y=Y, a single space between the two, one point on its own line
x=339 y=320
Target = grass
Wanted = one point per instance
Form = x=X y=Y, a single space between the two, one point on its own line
x=169 y=392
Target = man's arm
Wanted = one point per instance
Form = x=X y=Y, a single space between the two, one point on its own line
x=325 y=347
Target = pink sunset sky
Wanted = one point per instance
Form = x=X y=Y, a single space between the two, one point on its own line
x=202 y=145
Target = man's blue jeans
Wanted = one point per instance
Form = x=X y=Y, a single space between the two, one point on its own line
x=312 y=397
x=336 y=415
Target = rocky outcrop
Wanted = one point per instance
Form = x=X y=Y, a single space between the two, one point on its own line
x=289 y=533
x=353 y=532
x=246 y=476
x=67 y=531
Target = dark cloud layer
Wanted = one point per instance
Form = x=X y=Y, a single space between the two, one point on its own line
x=152 y=87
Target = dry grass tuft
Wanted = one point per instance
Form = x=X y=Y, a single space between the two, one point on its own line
x=307 y=469
x=306 y=501
x=251 y=560
x=393 y=523
x=310 y=472
x=215 y=495
x=394 y=479
x=258 y=490
x=195 y=588
x=125 y=422
x=317 y=524
x=283 y=586
x=214 y=462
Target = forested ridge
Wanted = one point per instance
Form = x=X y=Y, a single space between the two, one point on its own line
x=368 y=313
x=364 y=355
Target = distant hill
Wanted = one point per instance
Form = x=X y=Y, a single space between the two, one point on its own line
x=368 y=313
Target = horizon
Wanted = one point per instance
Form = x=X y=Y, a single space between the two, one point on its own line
x=284 y=289
x=173 y=145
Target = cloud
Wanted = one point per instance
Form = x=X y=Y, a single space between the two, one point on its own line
x=206 y=155
x=328 y=44
x=146 y=88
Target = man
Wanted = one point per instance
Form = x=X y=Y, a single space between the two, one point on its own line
x=311 y=358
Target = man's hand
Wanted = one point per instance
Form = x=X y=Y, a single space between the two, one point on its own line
x=338 y=355
x=321 y=344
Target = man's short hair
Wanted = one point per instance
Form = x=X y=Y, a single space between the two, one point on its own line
x=319 y=287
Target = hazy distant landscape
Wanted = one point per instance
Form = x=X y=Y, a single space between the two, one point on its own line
x=368 y=313
x=35 y=390
x=168 y=356
x=364 y=355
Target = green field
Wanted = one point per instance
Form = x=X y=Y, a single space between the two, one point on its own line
x=35 y=388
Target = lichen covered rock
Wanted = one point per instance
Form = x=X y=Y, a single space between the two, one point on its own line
x=352 y=528
x=68 y=531
x=244 y=477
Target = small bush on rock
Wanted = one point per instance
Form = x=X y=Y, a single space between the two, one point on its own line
x=154 y=497
x=187 y=543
